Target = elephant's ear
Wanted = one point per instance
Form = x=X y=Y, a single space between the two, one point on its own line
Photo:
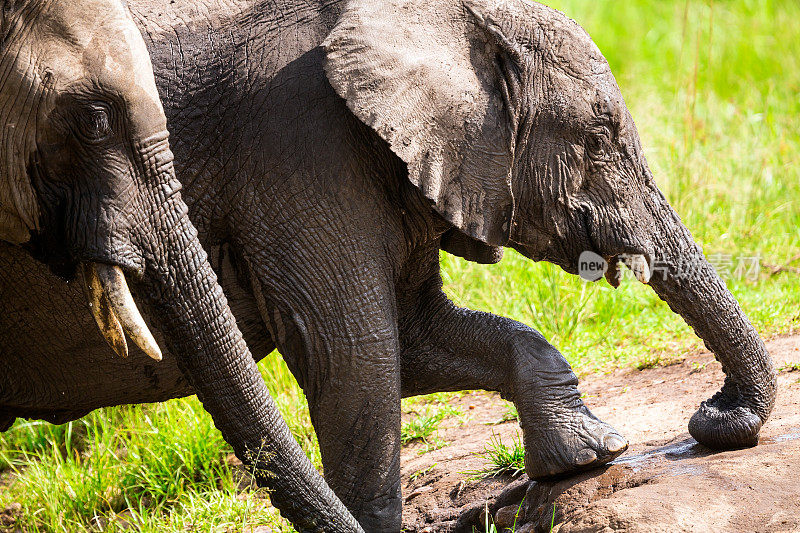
x=21 y=108
x=431 y=78
x=19 y=208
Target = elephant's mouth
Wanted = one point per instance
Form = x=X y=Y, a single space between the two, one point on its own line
x=639 y=263
x=115 y=311
x=636 y=257
x=106 y=290
x=64 y=252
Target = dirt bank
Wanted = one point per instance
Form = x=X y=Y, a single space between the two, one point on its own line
x=664 y=482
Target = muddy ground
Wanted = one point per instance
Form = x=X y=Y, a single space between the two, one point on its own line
x=664 y=482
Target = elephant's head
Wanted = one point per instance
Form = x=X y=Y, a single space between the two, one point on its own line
x=86 y=170
x=87 y=185
x=511 y=123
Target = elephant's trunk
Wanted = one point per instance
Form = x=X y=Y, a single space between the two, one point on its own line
x=182 y=290
x=685 y=279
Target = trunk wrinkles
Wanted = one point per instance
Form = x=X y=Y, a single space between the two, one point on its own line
x=685 y=279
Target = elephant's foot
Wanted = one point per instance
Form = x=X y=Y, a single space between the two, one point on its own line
x=569 y=442
x=378 y=514
x=724 y=423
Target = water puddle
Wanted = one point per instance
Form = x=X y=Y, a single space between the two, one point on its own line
x=687 y=449
x=782 y=438
x=679 y=450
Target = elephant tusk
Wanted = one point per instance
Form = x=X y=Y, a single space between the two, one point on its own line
x=638 y=265
x=613 y=275
x=114 y=310
x=105 y=317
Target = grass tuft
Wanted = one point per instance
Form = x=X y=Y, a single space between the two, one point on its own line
x=501 y=459
x=425 y=426
x=510 y=414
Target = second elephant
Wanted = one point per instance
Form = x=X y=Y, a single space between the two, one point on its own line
x=330 y=150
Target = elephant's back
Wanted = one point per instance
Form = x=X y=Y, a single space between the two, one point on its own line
x=235 y=79
x=258 y=29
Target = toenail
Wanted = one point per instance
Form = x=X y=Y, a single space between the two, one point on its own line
x=585 y=457
x=614 y=443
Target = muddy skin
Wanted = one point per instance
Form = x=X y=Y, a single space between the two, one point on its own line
x=324 y=191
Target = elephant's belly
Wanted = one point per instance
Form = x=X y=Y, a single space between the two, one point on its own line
x=54 y=363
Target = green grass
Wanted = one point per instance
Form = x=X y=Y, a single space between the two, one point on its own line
x=161 y=467
x=490 y=527
x=501 y=459
x=424 y=426
x=509 y=414
x=713 y=86
x=789 y=367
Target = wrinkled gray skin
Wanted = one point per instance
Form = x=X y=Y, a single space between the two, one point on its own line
x=328 y=152
x=87 y=178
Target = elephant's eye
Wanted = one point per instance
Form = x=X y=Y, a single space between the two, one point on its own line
x=96 y=124
x=597 y=141
x=595 y=145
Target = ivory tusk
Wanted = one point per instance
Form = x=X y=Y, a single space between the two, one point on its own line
x=120 y=303
x=613 y=274
x=638 y=264
x=103 y=314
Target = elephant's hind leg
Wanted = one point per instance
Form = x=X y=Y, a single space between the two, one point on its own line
x=447 y=348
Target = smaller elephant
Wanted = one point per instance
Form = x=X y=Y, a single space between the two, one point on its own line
x=89 y=197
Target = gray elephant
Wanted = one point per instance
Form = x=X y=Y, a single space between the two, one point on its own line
x=329 y=150
x=88 y=188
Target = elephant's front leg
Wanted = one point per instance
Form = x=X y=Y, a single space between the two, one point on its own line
x=356 y=415
x=341 y=343
x=447 y=348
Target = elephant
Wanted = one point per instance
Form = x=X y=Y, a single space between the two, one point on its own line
x=330 y=150
x=90 y=203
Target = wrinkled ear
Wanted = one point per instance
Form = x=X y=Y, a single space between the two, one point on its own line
x=19 y=210
x=432 y=79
